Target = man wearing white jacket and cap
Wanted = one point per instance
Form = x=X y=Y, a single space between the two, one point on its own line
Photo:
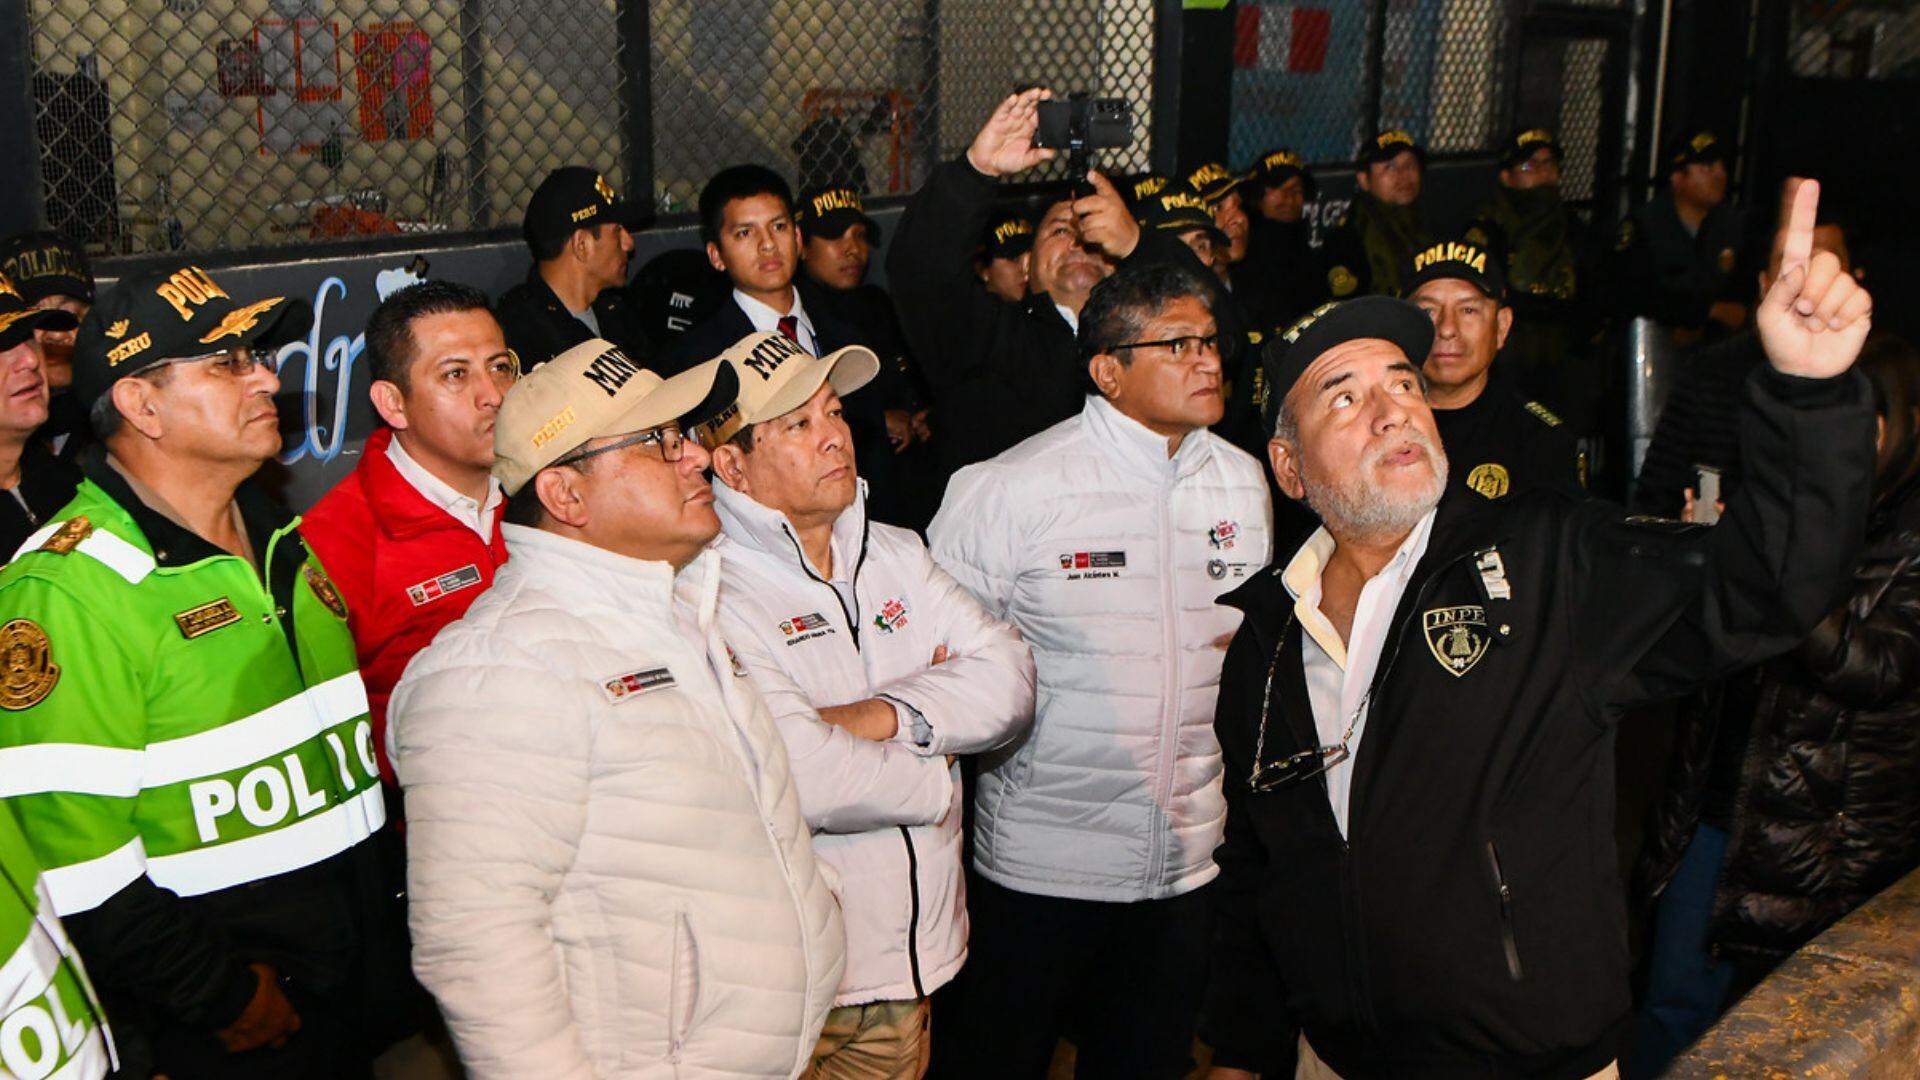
x=878 y=668
x=1105 y=540
x=609 y=874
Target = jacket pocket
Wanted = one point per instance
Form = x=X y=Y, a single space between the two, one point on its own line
x=683 y=990
x=1505 y=892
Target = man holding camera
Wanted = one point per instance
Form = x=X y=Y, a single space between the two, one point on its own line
x=1001 y=371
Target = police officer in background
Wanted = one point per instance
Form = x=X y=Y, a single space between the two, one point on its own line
x=188 y=748
x=1002 y=264
x=1554 y=274
x=1369 y=247
x=1497 y=442
x=1681 y=256
x=34 y=482
x=1278 y=191
x=578 y=231
x=52 y=272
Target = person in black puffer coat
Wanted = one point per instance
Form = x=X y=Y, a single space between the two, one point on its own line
x=1795 y=786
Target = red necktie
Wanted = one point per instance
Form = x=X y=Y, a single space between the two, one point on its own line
x=790 y=326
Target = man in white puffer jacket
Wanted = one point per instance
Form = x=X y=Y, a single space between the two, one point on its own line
x=608 y=870
x=879 y=668
x=1105 y=540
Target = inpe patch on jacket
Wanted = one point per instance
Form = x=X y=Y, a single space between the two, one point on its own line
x=805 y=628
x=206 y=618
x=450 y=582
x=1456 y=635
x=1223 y=534
x=893 y=615
x=634 y=683
x=1088 y=565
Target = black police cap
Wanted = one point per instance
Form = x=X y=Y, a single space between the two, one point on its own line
x=1461 y=259
x=1287 y=356
x=571 y=199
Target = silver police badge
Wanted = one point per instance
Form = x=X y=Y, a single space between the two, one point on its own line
x=1457 y=636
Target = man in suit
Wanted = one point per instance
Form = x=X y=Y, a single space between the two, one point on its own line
x=747 y=221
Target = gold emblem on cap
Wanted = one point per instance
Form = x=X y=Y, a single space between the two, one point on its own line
x=324 y=589
x=1300 y=325
x=1007 y=230
x=1396 y=137
x=27 y=670
x=128 y=349
x=6 y=286
x=1147 y=187
x=1182 y=200
x=1702 y=141
x=118 y=329
x=836 y=199
x=1535 y=135
x=11 y=317
x=1490 y=480
x=186 y=287
x=240 y=320
x=600 y=185
x=68 y=535
x=1280 y=158
x=1451 y=251
x=1210 y=173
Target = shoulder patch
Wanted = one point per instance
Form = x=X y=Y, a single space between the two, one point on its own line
x=1490 y=479
x=1545 y=414
x=27 y=670
x=324 y=591
x=1341 y=281
x=1625 y=239
x=1477 y=235
x=68 y=535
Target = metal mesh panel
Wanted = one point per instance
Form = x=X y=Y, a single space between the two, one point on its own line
x=204 y=125
x=1300 y=77
x=1868 y=39
x=1562 y=89
x=1441 y=72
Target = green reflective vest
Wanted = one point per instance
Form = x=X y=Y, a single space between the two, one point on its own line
x=178 y=714
x=50 y=1020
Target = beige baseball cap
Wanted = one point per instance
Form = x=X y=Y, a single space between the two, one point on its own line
x=591 y=391
x=777 y=376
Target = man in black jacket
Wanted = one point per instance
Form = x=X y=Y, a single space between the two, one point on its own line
x=1417 y=716
x=577 y=229
x=999 y=371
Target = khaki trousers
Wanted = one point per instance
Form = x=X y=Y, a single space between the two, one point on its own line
x=882 y=1040
x=1312 y=1068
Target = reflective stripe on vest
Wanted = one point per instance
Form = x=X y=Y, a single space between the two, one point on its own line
x=49 y=1023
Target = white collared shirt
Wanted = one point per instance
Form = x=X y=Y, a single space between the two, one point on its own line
x=474 y=515
x=767 y=321
x=1072 y=317
x=1338 y=673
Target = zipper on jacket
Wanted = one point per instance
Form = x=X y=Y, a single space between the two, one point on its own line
x=1170 y=696
x=681 y=1001
x=853 y=580
x=1507 y=940
x=913 y=918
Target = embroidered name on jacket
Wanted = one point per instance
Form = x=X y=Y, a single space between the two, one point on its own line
x=805 y=628
x=634 y=683
x=451 y=582
x=1088 y=565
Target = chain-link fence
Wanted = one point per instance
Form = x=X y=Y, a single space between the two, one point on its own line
x=205 y=125
x=1321 y=78
x=1855 y=39
x=1563 y=89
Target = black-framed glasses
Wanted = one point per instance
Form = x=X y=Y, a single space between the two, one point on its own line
x=670 y=440
x=1271 y=775
x=1182 y=347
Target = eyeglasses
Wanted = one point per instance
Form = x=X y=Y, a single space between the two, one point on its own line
x=1181 y=347
x=1268 y=776
x=673 y=445
x=238 y=362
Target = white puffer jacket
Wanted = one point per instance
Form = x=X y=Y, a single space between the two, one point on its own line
x=885 y=815
x=609 y=873
x=1107 y=556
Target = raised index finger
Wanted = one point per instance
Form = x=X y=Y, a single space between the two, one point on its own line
x=1796 y=249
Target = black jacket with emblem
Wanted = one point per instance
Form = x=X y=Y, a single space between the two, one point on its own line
x=1672 y=275
x=1472 y=923
x=1500 y=444
x=539 y=327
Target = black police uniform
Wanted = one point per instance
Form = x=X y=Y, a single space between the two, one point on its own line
x=1674 y=276
x=1501 y=444
x=539 y=327
x=1471 y=921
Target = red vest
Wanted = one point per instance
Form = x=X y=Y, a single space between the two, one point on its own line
x=405 y=566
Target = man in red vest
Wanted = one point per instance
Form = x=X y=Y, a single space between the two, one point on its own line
x=413 y=535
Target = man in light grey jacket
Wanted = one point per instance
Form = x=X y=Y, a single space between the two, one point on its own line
x=1105 y=540
x=879 y=669
x=610 y=877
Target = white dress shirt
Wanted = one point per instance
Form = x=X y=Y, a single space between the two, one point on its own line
x=474 y=515
x=1072 y=317
x=767 y=321
x=1338 y=674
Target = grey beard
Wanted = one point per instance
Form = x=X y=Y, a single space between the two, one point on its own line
x=1358 y=512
